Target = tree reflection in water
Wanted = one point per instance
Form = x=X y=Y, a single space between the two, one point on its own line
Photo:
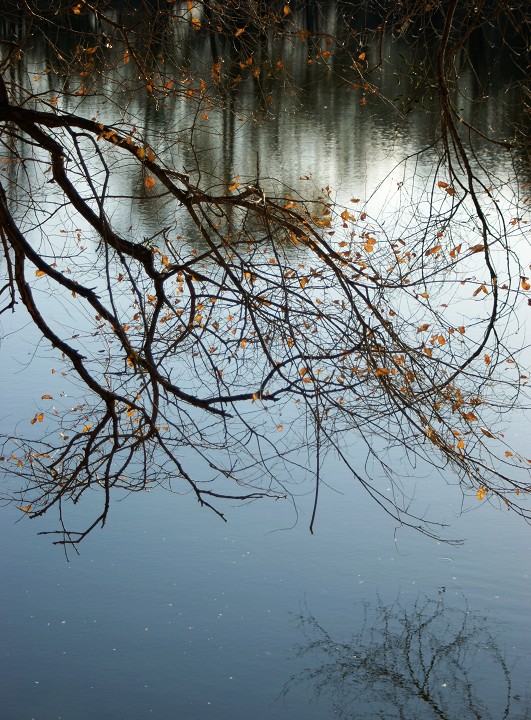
x=429 y=660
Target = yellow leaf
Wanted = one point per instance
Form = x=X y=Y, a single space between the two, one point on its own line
x=87 y=428
x=481 y=493
x=24 y=508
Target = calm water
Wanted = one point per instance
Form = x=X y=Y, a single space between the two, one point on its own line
x=170 y=613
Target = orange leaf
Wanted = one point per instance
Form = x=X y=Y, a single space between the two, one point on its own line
x=196 y=24
x=234 y=184
x=239 y=32
x=24 y=508
x=303 y=282
x=433 y=250
x=303 y=371
x=442 y=184
x=150 y=182
x=481 y=288
x=287 y=10
x=486 y=432
x=423 y=328
x=46 y=397
x=481 y=493
x=39 y=273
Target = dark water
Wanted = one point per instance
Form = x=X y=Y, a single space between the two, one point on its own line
x=170 y=613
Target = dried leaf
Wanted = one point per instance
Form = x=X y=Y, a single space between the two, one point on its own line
x=469 y=416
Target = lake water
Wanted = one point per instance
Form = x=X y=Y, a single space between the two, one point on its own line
x=170 y=613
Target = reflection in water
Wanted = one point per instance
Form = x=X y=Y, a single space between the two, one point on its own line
x=428 y=660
